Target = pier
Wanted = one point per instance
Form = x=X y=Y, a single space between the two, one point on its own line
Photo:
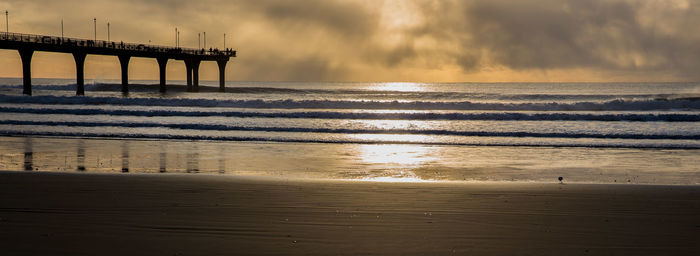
x=27 y=44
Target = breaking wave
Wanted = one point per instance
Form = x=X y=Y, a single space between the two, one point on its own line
x=691 y=103
x=219 y=127
x=630 y=144
x=505 y=116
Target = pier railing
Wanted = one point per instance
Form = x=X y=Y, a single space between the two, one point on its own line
x=75 y=42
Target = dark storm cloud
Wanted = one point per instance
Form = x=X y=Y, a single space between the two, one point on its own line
x=617 y=35
x=545 y=34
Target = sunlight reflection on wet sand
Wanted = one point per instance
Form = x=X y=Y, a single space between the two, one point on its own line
x=407 y=155
x=349 y=161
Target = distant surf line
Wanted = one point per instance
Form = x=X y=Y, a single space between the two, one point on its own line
x=337 y=141
x=612 y=105
x=218 y=127
x=373 y=93
x=505 y=116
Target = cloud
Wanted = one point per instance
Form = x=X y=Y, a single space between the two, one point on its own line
x=365 y=40
x=609 y=35
x=342 y=18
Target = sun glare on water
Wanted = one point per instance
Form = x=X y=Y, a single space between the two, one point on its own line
x=398 y=87
x=389 y=138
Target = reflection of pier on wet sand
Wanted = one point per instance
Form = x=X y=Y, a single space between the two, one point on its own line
x=163 y=159
x=81 y=155
x=28 y=154
x=87 y=155
x=125 y=156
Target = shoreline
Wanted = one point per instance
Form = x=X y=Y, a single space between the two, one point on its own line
x=295 y=179
x=373 y=162
x=181 y=214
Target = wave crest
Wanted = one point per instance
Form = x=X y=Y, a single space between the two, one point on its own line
x=219 y=127
x=505 y=116
x=613 y=105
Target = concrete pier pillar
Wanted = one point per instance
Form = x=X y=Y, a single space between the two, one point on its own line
x=195 y=75
x=222 y=75
x=162 y=62
x=188 y=67
x=26 y=55
x=79 y=72
x=124 y=61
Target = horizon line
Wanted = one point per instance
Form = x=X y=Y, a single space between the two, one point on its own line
x=404 y=82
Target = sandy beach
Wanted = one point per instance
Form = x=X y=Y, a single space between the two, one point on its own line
x=180 y=214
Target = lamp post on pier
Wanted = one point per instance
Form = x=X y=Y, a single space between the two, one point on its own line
x=108 y=33
x=61 y=30
x=94 y=21
x=224 y=41
x=7 y=23
x=199 y=40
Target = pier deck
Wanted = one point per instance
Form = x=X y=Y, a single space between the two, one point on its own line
x=27 y=44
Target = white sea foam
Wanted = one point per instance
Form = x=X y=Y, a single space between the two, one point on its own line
x=219 y=127
x=613 y=105
x=661 y=144
x=570 y=116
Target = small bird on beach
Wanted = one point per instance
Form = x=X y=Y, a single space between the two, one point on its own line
x=561 y=179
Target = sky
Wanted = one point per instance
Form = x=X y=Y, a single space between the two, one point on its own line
x=374 y=40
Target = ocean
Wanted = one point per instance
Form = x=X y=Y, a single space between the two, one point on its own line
x=642 y=133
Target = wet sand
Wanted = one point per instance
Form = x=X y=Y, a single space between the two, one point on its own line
x=180 y=214
x=351 y=161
